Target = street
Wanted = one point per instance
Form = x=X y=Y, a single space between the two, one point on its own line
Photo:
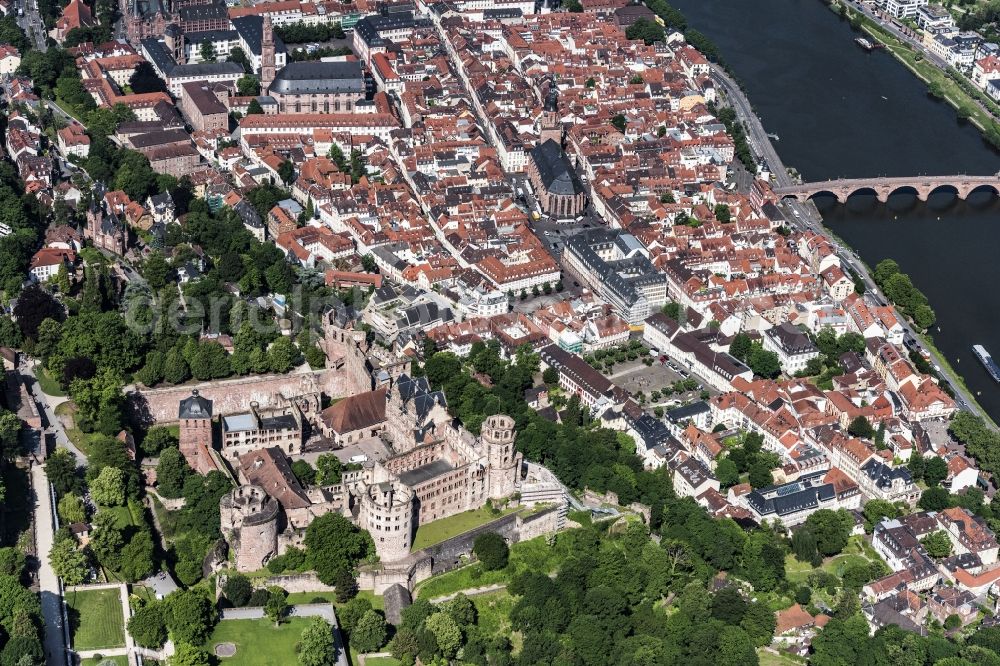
x=805 y=218
x=50 y=590
x=32 y=25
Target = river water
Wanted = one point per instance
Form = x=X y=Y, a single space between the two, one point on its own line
x=842 y=112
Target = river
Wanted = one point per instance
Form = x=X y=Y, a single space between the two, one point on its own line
x=842 y=112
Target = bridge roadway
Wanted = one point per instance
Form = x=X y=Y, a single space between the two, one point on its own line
x=805 y=217
x=884 y=187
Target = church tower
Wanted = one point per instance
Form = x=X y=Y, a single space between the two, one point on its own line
x=266 y=56
x=550 y=126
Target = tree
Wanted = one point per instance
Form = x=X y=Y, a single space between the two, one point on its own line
x=156 y=270
x=447 y=633
x=189 y=655
x=804 y=545
x=157 y=439
x=171 y=473
x=371 y=632
x=304 y=472
x=763 y=363
x=108 y=488
x=237 y=589
x=286 y=171
x=254 y=108
x=148 y=627
x=137 y=560
x=71 y=509
x=67 y=560
x=352 y=612
x=831 y=528
x=875 y=510
x=722 y=213
x=462 y=610
x=277 y=604
x=937 y=544
x=492 y=551
x=923 y=316
x=60 y=468
x=935 y=470
x=22 y=651
x=207 y=51
x=34 y=306
x=953 y=622
x=860 y=427
x=316 y=647
x=248 y=86
x=328 y=470
x=727 y=473
x=346 y=586
x=760 y=474
x=190 y=616
x=175 y=367
x=648 y=31
x=619 y=122
x=335 y=544
x=282 y=356
x=550 y=376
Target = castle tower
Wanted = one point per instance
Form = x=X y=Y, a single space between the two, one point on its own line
x=503 y=462
x=267 y=70
x=195 y=437
x=386 y=511
x=248 y=518
x=550 y=127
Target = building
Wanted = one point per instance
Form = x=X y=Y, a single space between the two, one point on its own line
x=617 y=267
x=557 y=187
x=201 y=106
x=73 y=140
x=74 y=15
x=792 y=503
x=46 y=262
x=280 y=428
x=793 y=347
x=318 y=87
x=10 y=59
x=195 y=436
x=354 y=418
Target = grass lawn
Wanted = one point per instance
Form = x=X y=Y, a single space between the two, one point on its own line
x=95 y=618
x=771 y=659
x=48 y=385
x=117 y=661
x=382 y=661
x=533 y=555
x=258 y=642
x=65 y=412
x=494 y=612
x=439 y=530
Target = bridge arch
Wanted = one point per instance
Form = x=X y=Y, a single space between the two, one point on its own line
x=864 y=189
x=906 y=189
x=981 y=187
x=947 y=187
x=838 y=197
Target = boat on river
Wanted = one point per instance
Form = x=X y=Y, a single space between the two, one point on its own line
x=987 y=361
x=864 y=43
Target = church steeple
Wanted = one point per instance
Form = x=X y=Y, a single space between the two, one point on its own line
x=550 y=126
x=266 y=56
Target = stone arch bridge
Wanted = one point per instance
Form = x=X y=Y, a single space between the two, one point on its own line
x=923 y=186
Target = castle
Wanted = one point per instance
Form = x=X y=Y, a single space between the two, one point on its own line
x=436 y=469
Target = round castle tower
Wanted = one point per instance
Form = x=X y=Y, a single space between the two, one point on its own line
x=249 y=521
x=386 y=511
x=498 y=437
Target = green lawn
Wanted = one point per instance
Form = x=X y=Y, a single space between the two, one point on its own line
x=96 y=620
x=65 y=412
x=382 y=661
x=771 y=659
x=439 y=530
x=494 y=612
x=533 y=555
x=258 y=642
x=48 y=385
x=307 y=598
x=117 y=661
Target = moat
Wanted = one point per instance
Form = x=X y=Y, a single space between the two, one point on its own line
x=843 y=112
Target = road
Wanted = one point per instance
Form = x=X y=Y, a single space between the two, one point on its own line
x=31 y=24
x=49 y=588
x=805 y=217
x=47 y=406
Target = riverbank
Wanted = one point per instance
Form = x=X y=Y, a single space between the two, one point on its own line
x=942 y=84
